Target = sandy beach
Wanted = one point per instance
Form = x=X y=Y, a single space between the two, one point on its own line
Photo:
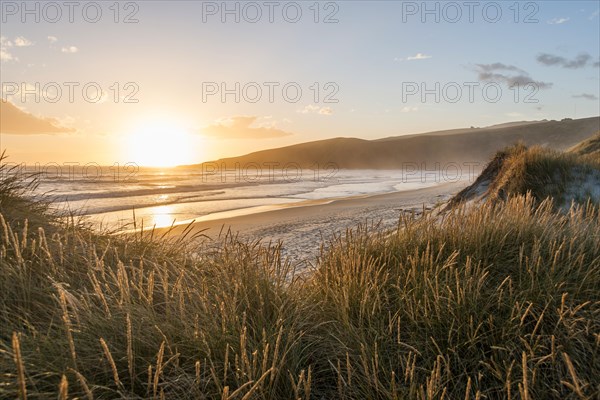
x=302 y=228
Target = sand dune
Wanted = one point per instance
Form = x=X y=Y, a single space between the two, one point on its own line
x=588 y=148
x=458 y=145
x=567 y=177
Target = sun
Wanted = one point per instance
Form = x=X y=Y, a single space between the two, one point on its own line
x=160 y=143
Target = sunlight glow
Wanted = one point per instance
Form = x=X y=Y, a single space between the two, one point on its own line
x=160 y=143
x=162 y=216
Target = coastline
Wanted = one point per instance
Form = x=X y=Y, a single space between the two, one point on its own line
x=302 y=227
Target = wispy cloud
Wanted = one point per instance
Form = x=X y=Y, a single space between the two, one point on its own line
x=6 y=45
x=5 y=54
x=316 y=109
x=407 y=109
x=594 y=14
x=14 y=120
x=496 y=72
x=52 y=39
x=558 y=21
x=418 y=56
x=69 y=49
x=23 y=42
x=581 y=61
x=243 y=127
x=308 y=109
x=499 y=67
x=585 y=96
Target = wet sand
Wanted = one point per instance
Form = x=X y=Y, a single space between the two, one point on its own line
x=303 y=228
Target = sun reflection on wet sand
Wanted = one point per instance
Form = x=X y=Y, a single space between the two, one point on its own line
x=161 y=216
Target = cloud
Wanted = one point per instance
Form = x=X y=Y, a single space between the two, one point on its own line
x=241 y=127
x=491 y=73
x=519 y=80
x=52 y=39
x=418 y=56
x=499 y=67
x=407 y=109
x=5 y=55
x=14 y=120
x=580 y=61
x=70 y=49
x=558 y=21
x=22 y=42
x=594 y=14
x=25 y=89
x=586 y=96
x=6 y=45
x=309 y=109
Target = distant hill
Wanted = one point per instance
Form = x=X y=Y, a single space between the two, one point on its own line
x=458 y=145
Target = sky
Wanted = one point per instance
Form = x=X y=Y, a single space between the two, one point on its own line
x=181 y=82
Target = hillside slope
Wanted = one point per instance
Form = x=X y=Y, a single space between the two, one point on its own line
x=466 y=145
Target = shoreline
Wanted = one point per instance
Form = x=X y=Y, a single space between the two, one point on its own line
x=301 y=228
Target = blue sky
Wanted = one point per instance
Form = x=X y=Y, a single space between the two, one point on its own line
x=370 y=57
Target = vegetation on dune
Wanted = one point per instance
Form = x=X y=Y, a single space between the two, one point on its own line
x=541 y=172
x=544 y=173
x=15 y=205
x=497 y=301
x=588 y=148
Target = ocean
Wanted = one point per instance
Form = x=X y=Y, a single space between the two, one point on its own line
x=111 y=196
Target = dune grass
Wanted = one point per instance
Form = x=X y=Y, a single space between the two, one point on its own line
x=589 y=148
x=499 y=301
x=518 y=170
x=544 y=173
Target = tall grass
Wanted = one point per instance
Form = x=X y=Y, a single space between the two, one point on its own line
x=17 y=202
x=543 y=173
x=495 y=303
x=589 y=148
x=500 y=301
